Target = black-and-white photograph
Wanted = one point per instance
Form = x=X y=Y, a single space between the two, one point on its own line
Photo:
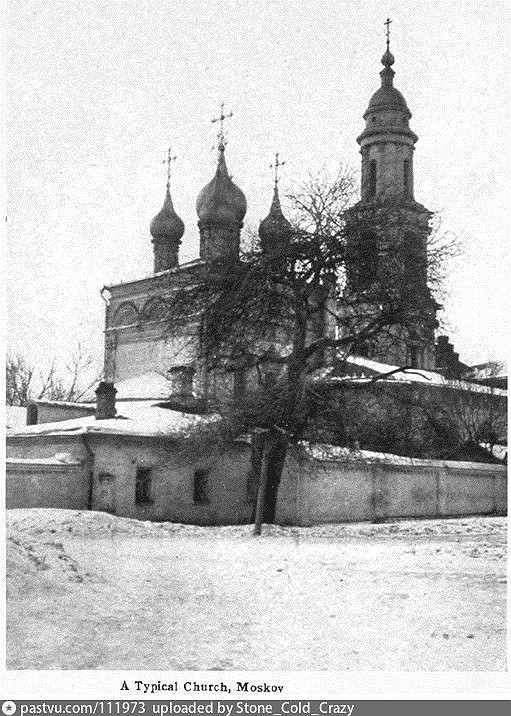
x=257 y=318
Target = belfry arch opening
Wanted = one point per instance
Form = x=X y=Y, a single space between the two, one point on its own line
x=372 y=177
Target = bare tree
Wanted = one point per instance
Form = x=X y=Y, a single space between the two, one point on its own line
x=69 y=383
x=274 y=317
x=18 y=381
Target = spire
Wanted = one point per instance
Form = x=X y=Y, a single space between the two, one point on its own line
x=387 y=97
x=387 y=74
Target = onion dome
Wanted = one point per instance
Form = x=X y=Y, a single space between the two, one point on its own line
x=274 y=229
x=221 y=201
x=167 y=225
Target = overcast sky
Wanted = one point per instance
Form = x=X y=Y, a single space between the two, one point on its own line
x=97 y=90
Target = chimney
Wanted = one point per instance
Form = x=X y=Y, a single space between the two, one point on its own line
x=105 y=401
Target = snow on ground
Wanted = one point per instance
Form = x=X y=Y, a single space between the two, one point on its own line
x=89 y=590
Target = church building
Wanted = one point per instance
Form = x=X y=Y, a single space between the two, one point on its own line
x=119 y=451
x=387 y=228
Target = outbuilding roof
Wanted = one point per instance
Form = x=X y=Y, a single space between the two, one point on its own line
x=136 y=418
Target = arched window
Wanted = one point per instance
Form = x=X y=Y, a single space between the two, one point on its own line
x=154 y=309
x=126 y=315
x=406 y=177
x=372 y=177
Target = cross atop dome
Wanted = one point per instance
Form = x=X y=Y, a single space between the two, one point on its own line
x=276 y=166
x=168 y=161
x=387 y=23
x=388 y=58
x=221 y=134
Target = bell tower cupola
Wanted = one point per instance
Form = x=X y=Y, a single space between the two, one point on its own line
x=387 y=142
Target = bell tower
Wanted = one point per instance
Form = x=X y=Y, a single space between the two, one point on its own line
x=387 y=229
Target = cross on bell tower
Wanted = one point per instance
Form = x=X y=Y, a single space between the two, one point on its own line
x=387 y=31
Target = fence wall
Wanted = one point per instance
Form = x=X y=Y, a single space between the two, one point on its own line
x=322 y=491
x=46 y=484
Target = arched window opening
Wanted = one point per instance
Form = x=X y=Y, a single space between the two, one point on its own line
x=154 y=309
x=125 y=315
x=372 y=178
x=201 y=487
x=406 y=177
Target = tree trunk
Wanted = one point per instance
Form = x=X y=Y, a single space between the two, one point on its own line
x=273 y=456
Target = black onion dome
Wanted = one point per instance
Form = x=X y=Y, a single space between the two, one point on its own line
x=275 y=226
x=167 y=225
x=221 y=201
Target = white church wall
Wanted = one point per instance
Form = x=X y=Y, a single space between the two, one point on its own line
x=141 y=352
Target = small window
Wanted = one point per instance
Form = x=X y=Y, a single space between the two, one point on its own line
x=143 y=486
x=372 y=178
x=201 y=487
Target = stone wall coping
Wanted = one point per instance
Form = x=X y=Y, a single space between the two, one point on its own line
x=333 y=454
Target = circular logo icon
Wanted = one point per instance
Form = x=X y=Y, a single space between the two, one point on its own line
x=8 y=708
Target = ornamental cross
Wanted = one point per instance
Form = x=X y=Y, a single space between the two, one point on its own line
x=387 y=23
x=221 y=134
x=168 y=161
x=276 y=167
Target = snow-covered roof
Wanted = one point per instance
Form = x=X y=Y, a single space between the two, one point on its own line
x=362 y=369
x=67 y=403
x=137 y=418
x=490 y=369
